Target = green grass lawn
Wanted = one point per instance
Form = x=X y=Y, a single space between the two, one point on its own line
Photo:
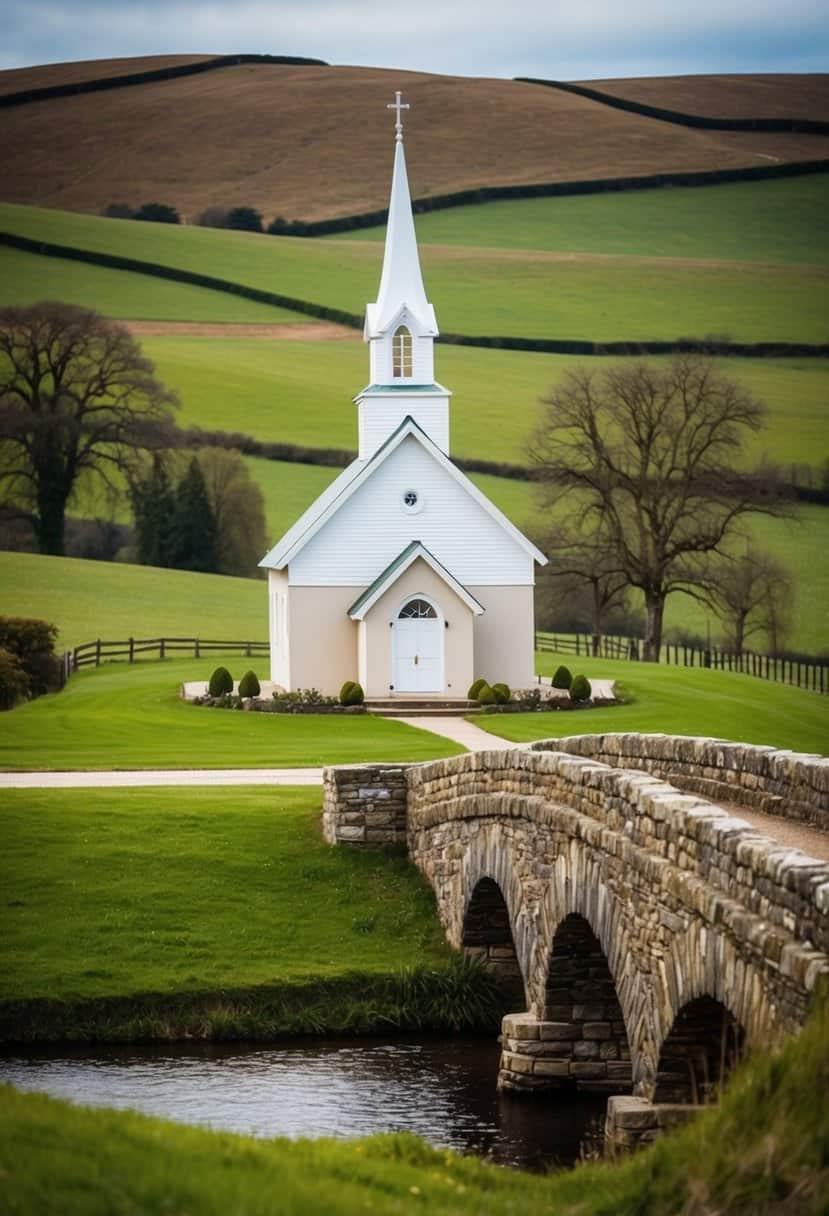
x=301 y=392
x=679 y=701
x=481 y=290
x=111 y=600
x=26 y=278
x=760 y=1150
x=122 y=716
x=115 y=892
x=780 y=221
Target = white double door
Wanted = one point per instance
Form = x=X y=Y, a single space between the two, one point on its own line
x=418 y=655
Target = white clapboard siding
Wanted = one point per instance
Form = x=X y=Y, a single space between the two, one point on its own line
x=381 y=416
x=373 y=527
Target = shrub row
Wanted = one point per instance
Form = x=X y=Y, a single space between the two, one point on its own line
x=102 y=83
x=713 y=346
x=498 y=698
x=803 y=126
x=220 y=695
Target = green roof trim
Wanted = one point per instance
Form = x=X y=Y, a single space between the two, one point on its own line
x=401 y=562
x=383 y=575
x=382 y=390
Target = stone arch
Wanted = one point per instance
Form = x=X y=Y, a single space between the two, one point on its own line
x=703 y=963
x=702 y=1046
x=488 y=864
x=487 y=935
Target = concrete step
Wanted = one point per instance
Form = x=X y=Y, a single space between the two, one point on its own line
x=419 y=706
x=421 y=712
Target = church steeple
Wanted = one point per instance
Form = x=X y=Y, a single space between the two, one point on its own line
x=401 y=283
x=400 y=328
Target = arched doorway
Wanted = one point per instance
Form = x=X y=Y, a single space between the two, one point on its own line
x=418 y=647
x=702 y=1047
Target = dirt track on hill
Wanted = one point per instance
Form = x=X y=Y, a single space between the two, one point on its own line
x=303 y=331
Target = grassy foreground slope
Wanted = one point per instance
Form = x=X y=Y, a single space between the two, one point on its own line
x=122 y=716
x=480 y=291
x=123 y=893
x=679 y=701
x=761 y=1152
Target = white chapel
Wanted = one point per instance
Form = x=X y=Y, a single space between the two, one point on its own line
x=402 y=575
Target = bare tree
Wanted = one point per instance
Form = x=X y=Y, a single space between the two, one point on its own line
x=748 y=594
x=581 y=570
x=643 y=458
x=77 y=397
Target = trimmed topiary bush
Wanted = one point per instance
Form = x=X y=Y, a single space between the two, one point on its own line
x=486 y=696
x=475 y=688
x=562 y=678
x=580 y=689
x=351 y=693
x=502 y=693
x=221 y=682
x=249 y=685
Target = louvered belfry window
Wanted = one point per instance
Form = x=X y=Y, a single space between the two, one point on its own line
x=401 y=353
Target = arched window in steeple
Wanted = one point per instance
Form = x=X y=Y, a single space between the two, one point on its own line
x=401 y=352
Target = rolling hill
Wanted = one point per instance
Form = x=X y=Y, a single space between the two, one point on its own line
x=257 y=134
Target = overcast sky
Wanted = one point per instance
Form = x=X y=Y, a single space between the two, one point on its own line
x=568 y=41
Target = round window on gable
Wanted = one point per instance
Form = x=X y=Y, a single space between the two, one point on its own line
x=412 y=501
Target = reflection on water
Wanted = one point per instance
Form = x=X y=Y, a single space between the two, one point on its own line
x=440 y=1089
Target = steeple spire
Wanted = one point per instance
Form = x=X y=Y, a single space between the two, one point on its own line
x=401 y=282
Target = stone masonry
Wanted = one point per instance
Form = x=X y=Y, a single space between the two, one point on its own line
x=633 y=908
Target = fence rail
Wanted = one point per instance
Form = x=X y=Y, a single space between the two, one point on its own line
x=811 y=674
x=93 y=654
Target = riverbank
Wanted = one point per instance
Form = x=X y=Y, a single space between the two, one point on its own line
x=159 y=914
x=763 y=1151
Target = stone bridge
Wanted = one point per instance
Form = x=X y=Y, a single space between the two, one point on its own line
x=649 y=934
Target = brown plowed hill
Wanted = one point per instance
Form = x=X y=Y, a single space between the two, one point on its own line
x=738 y=96
x=17 y=80
x=314 y=142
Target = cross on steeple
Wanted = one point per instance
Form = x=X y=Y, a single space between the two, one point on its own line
x=398 y=105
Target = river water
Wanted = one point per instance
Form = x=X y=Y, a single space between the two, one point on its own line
x=439 y=1088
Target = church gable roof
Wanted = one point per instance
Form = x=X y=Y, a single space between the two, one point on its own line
x=399 y=566
x=342 y=488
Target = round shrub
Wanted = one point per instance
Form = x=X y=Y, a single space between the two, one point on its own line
x=475 y=688
x=14 y=682
x=486 y=696
x=562 y=678
x=351 y=693
x=580 y=689
x=502 y=693
x=221 y=682
x=249 y=685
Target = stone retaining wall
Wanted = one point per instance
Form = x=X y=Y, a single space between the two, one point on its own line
x=785 y=783
x=365 y=805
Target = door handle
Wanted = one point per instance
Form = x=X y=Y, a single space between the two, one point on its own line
x=415 y=660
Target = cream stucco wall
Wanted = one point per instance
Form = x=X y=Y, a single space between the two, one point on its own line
x=377 y=641
x=505 y=635
x=323 y=638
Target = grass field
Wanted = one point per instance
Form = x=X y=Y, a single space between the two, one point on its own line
x=114 y=892
x=680 y=701
x=26 y=278
x=779 y=221
x=760 y=1150
x=301 y=392
x=485 y=291
x=122 y=716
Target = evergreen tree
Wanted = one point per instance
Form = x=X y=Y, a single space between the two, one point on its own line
x=154 y=511
x=195 y=524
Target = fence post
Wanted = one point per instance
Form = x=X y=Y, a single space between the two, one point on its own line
x=98 y=653
x=161 y=648
x=196 y=654
x=132 y=649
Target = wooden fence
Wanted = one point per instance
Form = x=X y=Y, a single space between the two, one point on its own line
x=811 y=674
x=93 y=654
